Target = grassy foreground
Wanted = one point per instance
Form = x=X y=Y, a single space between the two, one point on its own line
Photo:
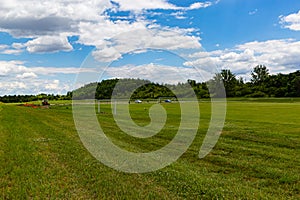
x=257 y=156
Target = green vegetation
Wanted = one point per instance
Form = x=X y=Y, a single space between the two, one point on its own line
x=148 y=90
x=256 y=157
x=262 y=84
x=31 y=98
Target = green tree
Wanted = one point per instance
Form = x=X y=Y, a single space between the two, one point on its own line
x=230 y=82
x=216 y=86
x=259 y=75
x=296 y=86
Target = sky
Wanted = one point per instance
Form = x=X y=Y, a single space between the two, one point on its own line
x=55 y=46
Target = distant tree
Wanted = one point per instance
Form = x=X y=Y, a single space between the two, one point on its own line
x=296 y=86
x=259 y=75
x=216 y=86
x=230 y=82
x=192 y=82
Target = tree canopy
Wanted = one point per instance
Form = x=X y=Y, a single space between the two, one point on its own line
x=262 y=84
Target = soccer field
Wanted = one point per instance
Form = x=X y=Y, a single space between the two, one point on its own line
x=257 y=155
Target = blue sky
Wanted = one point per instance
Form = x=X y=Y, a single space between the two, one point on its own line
x=45 y=44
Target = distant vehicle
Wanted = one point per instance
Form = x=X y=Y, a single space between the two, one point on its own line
x=45 y=102
x=168 y=101
x=138 y=101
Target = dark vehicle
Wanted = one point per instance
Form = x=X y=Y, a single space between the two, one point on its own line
x=45 y=102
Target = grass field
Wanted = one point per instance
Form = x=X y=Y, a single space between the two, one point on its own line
x=256 y=157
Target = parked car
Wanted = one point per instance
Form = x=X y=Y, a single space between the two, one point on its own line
x=168 y=101
x=138 y=101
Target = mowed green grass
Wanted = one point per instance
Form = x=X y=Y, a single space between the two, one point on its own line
x=256 y=157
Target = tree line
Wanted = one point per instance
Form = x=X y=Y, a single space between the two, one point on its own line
x=29 y=98
x=262 y=84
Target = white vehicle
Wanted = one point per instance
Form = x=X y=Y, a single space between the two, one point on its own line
x=138 y=101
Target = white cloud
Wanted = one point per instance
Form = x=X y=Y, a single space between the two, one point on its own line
x=33 y=86
x=179 y=15
x=172 y=39
x=253 y=12
x=138 y=6
x=11 y=86
x=10 y=67
x=58 y=70
x=291 y=21
x=26 y=75
x=14 y=49
x=16 y=78
x=133 y=5
x=108 y=54
x=138 y=36
x=53 y=85
x=158 y=73
x=49 y=22
x=18 y=45
x=3 y=46
x=48 y=44
x=17 y=68
x=199 y=5
x=34 y=10
x=280 y=56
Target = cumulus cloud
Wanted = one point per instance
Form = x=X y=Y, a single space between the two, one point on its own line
x=31 y=27
x=48 y=23
x=199 y=5
x=138 y=6
x=158 y=73
x=133 y=5
x=33 y=86
x=3 y=46
x=278 y=55
x=291 y=21
x=26 y=75
x=55 y=12
x=11 y=86
x=53 y=85
x=108 y=54
x=11 y=67
x=13 y=49
x=179 y=15
x=17 y=45
x=16 y=78
x=48 y=44
x=17 y=68
x=156 y=38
